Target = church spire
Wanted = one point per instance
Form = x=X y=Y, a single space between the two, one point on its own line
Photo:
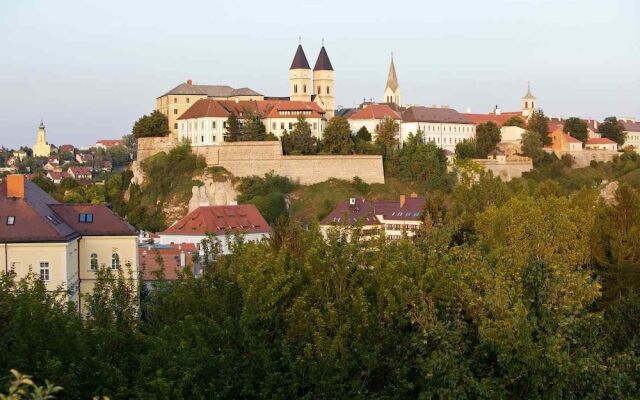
x=392 y=78
x=300 y=59
x=323 y=63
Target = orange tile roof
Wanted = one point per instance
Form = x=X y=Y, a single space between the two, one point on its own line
x=170 y=256
x=498 y=119
x=263 y=108
x=218 y=220
x=600 y=141
x=375 y=111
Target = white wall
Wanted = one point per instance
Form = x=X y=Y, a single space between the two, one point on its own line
x=444 y=135
x=197 y=239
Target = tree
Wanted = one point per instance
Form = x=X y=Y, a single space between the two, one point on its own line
x=119 y=156
x=577 y=128
x=465 y=149
x=531 y=144
x=364 y=134
x=233 y=128
x=131 y=144
x=300 y=140
x=154 y=124
x=515 y=121
x=612 y=129
x=337 y=137
x=487 y=137
x=387 y=134
x=252 y=129
x=539 y=123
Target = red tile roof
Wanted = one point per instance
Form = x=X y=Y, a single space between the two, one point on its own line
x=375 y=111
x=366 y=212
x=631 y=126
x=213 y=108
x=498 y=119
x=170 y=255
x=110 y=142
x=105 y=222
x=218 y=220
x=600 y=141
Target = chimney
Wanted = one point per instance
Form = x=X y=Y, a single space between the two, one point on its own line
x=497 y=110
x=403 y=200
x=15 y=186
x=189 y=82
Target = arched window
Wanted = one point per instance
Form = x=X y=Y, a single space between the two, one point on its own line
x=304 y=88
x=319 y=91
x=533 y=104
x=327 y=89
x=93 y=262
x=295 y=88
x=115 y=261
x=526 y=104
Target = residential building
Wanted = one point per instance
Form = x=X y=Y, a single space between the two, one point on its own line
x=56 y=176
x=66 y=148
x=41 y=148
x=205 y=122
x=80 y=173
x=20 y=154
x=392 y=89
x=221 y=222
x=64 y=244
x=563 y=143
x=601 y=144
x=167 y=262
x=443 y=126
x=370 y=117
x=632 y=133
x=394 y=219
x=84 y=158
x=179 y=99
x=106 y=144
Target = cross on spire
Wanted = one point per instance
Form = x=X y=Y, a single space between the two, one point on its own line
x=322 y=41
x=299 y=39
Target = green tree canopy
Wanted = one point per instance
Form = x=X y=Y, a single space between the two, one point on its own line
x=612 y=129
x=515 y=121
x=531 y=144
x=466 y=149
x=233 y=128
x=364 y=134
x=337 y=138
x=577 y=128
x=387 y=134
x=252 y=128
x=487 y=138
x=300 y=140
x=539 y=123
x=154 y=124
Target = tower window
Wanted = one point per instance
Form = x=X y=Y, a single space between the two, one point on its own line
x=526 y=104
x=327 y=89
x=319 y=90
x=304 y=88
x=295 y=88
x=175 y=125
x=175 y=111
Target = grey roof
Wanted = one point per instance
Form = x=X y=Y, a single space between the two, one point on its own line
x=211 y=90
x=392 y=78
x=630 y=126
x=429 y=114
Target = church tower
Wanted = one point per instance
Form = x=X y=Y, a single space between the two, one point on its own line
x=41 y=148
x=323 y=82
x=528 y=103
x=392 y=91
x=300 y=77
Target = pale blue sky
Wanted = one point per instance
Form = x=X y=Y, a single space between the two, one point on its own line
x=91 y=68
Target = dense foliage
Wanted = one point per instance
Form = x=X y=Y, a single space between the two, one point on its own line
x=300 y=140
x=612 y=129
x=497 y=297
x=539 y=123
x=577 y=128
x=267 y=194
x=154 y=124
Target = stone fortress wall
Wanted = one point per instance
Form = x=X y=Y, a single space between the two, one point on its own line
x=258 y=158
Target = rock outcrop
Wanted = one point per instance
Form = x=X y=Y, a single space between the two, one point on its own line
x=212 y=193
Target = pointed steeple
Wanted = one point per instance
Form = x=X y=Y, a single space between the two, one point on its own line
x=41 y=124
x=300 y=60
x=392 y=79
x=529 y=95
x=323 y=63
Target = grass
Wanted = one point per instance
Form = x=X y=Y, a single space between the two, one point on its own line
x=316 y=201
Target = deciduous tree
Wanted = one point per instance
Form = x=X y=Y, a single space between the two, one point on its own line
x=337 y=138
x=154 y=124
x=612 y=129
x=577 y=128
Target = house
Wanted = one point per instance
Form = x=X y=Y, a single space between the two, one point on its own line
x=219 y=221
x=393 y=218
x=66 y=148
x=64 y=244
x=443 y=126
x=563 y=143
x=106 y=166
x=371 y=116
x=108 y=143
x=601 y=144
x=167 y=261
x=80 y=173
x=205 y=122
x=84 y=158
x=20 y=154
x=56 y=176
x=632 y=133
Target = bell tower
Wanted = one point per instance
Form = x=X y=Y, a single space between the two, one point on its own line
x=323 y=82
x=41 y=148
x=529 y=102
x=392 y=90
x=300 y=77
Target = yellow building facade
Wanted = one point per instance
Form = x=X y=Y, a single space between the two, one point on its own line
x=41 y=148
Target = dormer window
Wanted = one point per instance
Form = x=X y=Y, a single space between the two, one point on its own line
x=85 y=218
x=11 y=220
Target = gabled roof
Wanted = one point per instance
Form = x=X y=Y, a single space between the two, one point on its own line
x=600 y=141
x=218 y=220
x=430 y=114
x=375 y=111
x=210 y=90
x=323 y=63
x=205 y=108
x=170 y=255
x=105 y=222
x=392 y=78
x=631 y=126
x=366 y=212
x=499 y=119
x=212 y=108
x=300 y=59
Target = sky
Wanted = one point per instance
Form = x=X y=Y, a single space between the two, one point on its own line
x=90 y=69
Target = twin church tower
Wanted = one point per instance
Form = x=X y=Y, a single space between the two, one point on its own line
x=320 y=91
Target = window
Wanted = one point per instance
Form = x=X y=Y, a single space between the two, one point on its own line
x=44 y=271
x=526 y=104
x=187 y=99
x=175 y=111
x=175 y=125
x=273 y=126
x=290 y=126
x=201 y=139
x=85 y=218
x=93 y=261
x=281 y=125
x=213 y=124
x=11 y=220
x=315 y=126
x=214 y=138
x=327 y=89
x=295 y=88
x=201 y=124
x=304 y=88
x=175 y=100
x=115 y=261
x=319 y=90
